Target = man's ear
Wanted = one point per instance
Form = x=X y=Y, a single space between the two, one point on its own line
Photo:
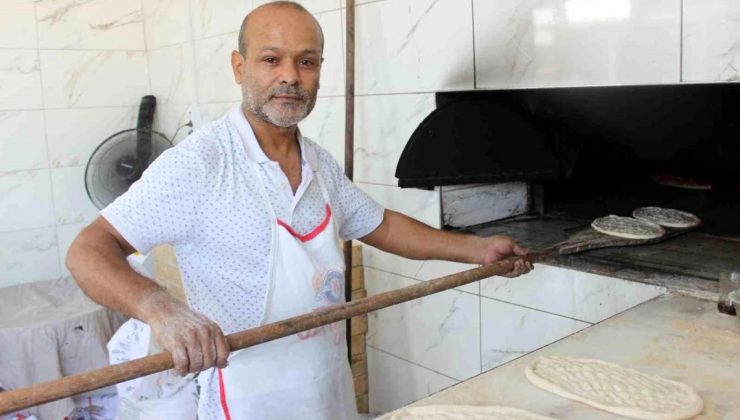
x=237 y=66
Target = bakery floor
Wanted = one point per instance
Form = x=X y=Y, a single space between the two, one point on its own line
x=677 y=337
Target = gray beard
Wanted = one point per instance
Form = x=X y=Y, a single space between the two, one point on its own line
x=275 y=117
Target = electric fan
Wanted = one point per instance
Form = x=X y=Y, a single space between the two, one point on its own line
x=120 y=160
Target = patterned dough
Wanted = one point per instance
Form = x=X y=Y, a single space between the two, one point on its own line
x=627 y=227
x=614 y=388
x=465 y=412
x=666 y=217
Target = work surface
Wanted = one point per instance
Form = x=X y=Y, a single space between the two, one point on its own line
x=676 y=337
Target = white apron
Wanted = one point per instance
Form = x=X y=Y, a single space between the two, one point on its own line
x=303 y=376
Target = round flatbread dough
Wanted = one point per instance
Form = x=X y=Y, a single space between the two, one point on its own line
x=614 y=388
x=627 y=227
x=666 y=217
x=465 y=412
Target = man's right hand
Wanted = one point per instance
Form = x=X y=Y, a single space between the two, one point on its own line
x=195 y=342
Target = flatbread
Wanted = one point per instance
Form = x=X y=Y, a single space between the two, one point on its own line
x=627 y=227
x=614 y=388
x=666 y=217
x=465 y=412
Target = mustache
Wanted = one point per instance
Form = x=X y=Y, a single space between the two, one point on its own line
x=289 y=90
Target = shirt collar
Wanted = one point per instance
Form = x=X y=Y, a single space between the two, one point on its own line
x=251 y=145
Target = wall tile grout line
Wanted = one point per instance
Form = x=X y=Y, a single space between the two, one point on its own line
x=417 y=280
x=480 y=330
x=48 y=152
x=55 y=225
x=82 y=108
x=483 y=296
x=570 y=335
x=536 y=309
x=191 y=36
x=680 y=45
x=74 y=49
x=146 y=46
x=413 y=363
x=472 y=21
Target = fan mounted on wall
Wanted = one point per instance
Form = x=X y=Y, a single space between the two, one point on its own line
x=120 y=159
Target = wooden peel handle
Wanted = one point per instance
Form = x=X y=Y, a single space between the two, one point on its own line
x=11 y=401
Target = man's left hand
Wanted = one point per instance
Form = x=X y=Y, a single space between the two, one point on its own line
x=496 y=248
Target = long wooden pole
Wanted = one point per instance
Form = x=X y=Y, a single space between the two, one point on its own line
x=11 y=401
x=349 y=144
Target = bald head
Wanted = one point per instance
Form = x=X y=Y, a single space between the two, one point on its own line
x=262 y=16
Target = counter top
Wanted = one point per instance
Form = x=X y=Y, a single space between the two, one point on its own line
x=676 y=337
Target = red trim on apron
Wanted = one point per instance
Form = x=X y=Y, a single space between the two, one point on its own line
x=305 y=238
x=222 y=394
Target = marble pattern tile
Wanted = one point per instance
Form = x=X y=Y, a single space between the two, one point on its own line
x=97 y=24
x=17 y=24
x=217 y=17
x=357 y=2
x=535 y=43
x=325 y=126
x=170 y=117
x=483 y=203
x=74 y=133
x=214 y=111
x=426 y=331
x=414 y=46
x=394 y=383
x=381 y=260
x=214 y=77
x=26 y=200
x=332 y=70
x=166 y=22
x=509 y=331
x=420 y=204
x=172 y=74
x=383 y=126
x=22 y=141
x=433 y=269
x=93 y=78
x=71 y=202
x=65 y=235
x=711 y=40
x=27 y=256
x=576 y=294
x=21 y=80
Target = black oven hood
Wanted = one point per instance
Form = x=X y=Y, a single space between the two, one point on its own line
x=582 y=132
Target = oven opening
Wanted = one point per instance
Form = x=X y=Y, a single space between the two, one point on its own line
x=540 y=164
x=717 y=205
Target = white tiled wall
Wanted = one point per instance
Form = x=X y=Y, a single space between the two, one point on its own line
x=72 y=74
x=395 y=382
x=428 y=330
x=528 y=43
x=711 y=40
x=583 y=296
x=509 y=331
x=460 y=333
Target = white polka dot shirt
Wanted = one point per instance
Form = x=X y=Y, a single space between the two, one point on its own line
x=202 y=197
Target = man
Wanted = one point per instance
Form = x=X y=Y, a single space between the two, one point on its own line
x=255 y=212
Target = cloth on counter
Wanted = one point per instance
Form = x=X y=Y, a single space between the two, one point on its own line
x=49 y=330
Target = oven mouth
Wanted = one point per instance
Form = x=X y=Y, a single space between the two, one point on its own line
x=560 y=157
